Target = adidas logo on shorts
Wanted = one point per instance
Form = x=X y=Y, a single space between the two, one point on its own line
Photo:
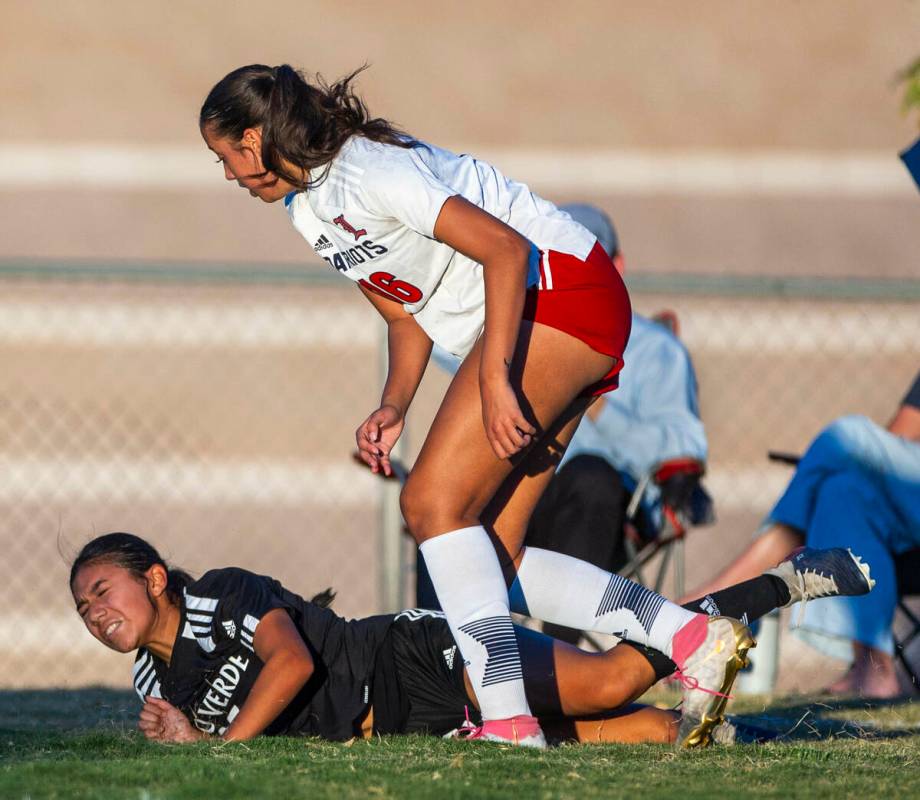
x=322 y=244
x=229 y=626
x=449 y=654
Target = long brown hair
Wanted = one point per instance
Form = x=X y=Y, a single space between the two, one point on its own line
x=303 y=123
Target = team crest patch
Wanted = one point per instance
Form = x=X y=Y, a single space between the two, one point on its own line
x=230 y=627
x=345 y=225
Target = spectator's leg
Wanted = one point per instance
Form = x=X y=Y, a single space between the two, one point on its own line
x=847 y=443
x=852 y=511
x=766 y=551
x=581 y=514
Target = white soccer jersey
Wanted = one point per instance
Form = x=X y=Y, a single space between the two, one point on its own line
x=373 y=216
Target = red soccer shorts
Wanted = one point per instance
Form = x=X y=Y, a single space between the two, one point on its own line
x=585 y=299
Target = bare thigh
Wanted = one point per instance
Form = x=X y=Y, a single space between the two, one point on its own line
x=508 y=512
x=457 y=474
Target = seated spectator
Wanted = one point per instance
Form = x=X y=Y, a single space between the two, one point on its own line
x=857 y=486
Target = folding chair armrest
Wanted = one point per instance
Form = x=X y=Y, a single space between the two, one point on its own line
x=678 y=478
x=784 y=458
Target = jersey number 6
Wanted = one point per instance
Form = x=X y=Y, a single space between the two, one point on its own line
x=386 y=284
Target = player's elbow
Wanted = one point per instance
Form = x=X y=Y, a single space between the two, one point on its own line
x=301 y=665
x=296 y=665
x=510 y=246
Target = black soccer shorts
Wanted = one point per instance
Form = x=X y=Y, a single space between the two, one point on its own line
x=418 y=678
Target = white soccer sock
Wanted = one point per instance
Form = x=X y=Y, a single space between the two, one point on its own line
x=567 y=591
x=471 y=589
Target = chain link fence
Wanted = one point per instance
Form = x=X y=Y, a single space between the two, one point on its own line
x=214 y=415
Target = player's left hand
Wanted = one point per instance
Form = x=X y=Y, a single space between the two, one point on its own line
x=376 y=437
x=163 y=722
x=507 y=429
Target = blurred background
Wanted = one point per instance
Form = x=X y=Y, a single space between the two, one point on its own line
x=177 y=363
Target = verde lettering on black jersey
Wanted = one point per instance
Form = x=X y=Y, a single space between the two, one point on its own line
x=214 y=661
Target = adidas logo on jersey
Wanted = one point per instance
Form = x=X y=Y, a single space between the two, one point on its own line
x=449 y=654
x=322 y=244
x=229 y=627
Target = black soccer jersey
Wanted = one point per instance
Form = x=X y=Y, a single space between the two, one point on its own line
x=214 y=665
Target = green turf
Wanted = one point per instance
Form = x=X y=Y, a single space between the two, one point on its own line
x=82 y=744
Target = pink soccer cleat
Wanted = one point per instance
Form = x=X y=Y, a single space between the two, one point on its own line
x=521 y=731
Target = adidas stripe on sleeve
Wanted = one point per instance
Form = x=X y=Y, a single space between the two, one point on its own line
x=226 y=606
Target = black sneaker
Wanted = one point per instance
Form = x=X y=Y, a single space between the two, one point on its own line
x=810 y=573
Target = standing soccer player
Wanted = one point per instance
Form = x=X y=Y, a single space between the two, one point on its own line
x=448 y=249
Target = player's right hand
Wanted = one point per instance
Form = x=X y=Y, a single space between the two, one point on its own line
x=376 y=437
x=163 y=722
x=506 y=427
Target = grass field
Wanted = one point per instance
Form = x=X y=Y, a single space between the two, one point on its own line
x=81 y=744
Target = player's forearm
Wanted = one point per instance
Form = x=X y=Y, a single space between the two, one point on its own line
x=505 y=284
x=281 y=678
x=409 y=349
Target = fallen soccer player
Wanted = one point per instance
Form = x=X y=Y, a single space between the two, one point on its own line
x=235 y=655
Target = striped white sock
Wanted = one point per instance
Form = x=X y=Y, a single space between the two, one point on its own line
x=471 y=589
x=567 y=591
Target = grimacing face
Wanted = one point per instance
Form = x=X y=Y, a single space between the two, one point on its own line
x=114 y=604
x=242 y=163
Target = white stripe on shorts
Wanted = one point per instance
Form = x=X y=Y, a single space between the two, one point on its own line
x=547 y=272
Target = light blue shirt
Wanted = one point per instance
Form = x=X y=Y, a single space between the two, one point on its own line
x=653 y=416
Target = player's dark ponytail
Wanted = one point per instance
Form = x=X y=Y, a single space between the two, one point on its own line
x=133 y=554
x=303 y=123
x=324 y=598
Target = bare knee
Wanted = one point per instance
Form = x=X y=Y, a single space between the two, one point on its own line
x=412 y=503
x=429 y=513
x=610 y=689
x=605 y=694
x=626 y=675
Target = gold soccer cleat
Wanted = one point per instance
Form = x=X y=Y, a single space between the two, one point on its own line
x=707 y=677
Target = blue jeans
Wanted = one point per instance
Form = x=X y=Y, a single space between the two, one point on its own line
x=857 y=486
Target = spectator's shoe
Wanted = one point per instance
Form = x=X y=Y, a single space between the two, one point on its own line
x=708 y=652
x=521 y=731
x=810 y=573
